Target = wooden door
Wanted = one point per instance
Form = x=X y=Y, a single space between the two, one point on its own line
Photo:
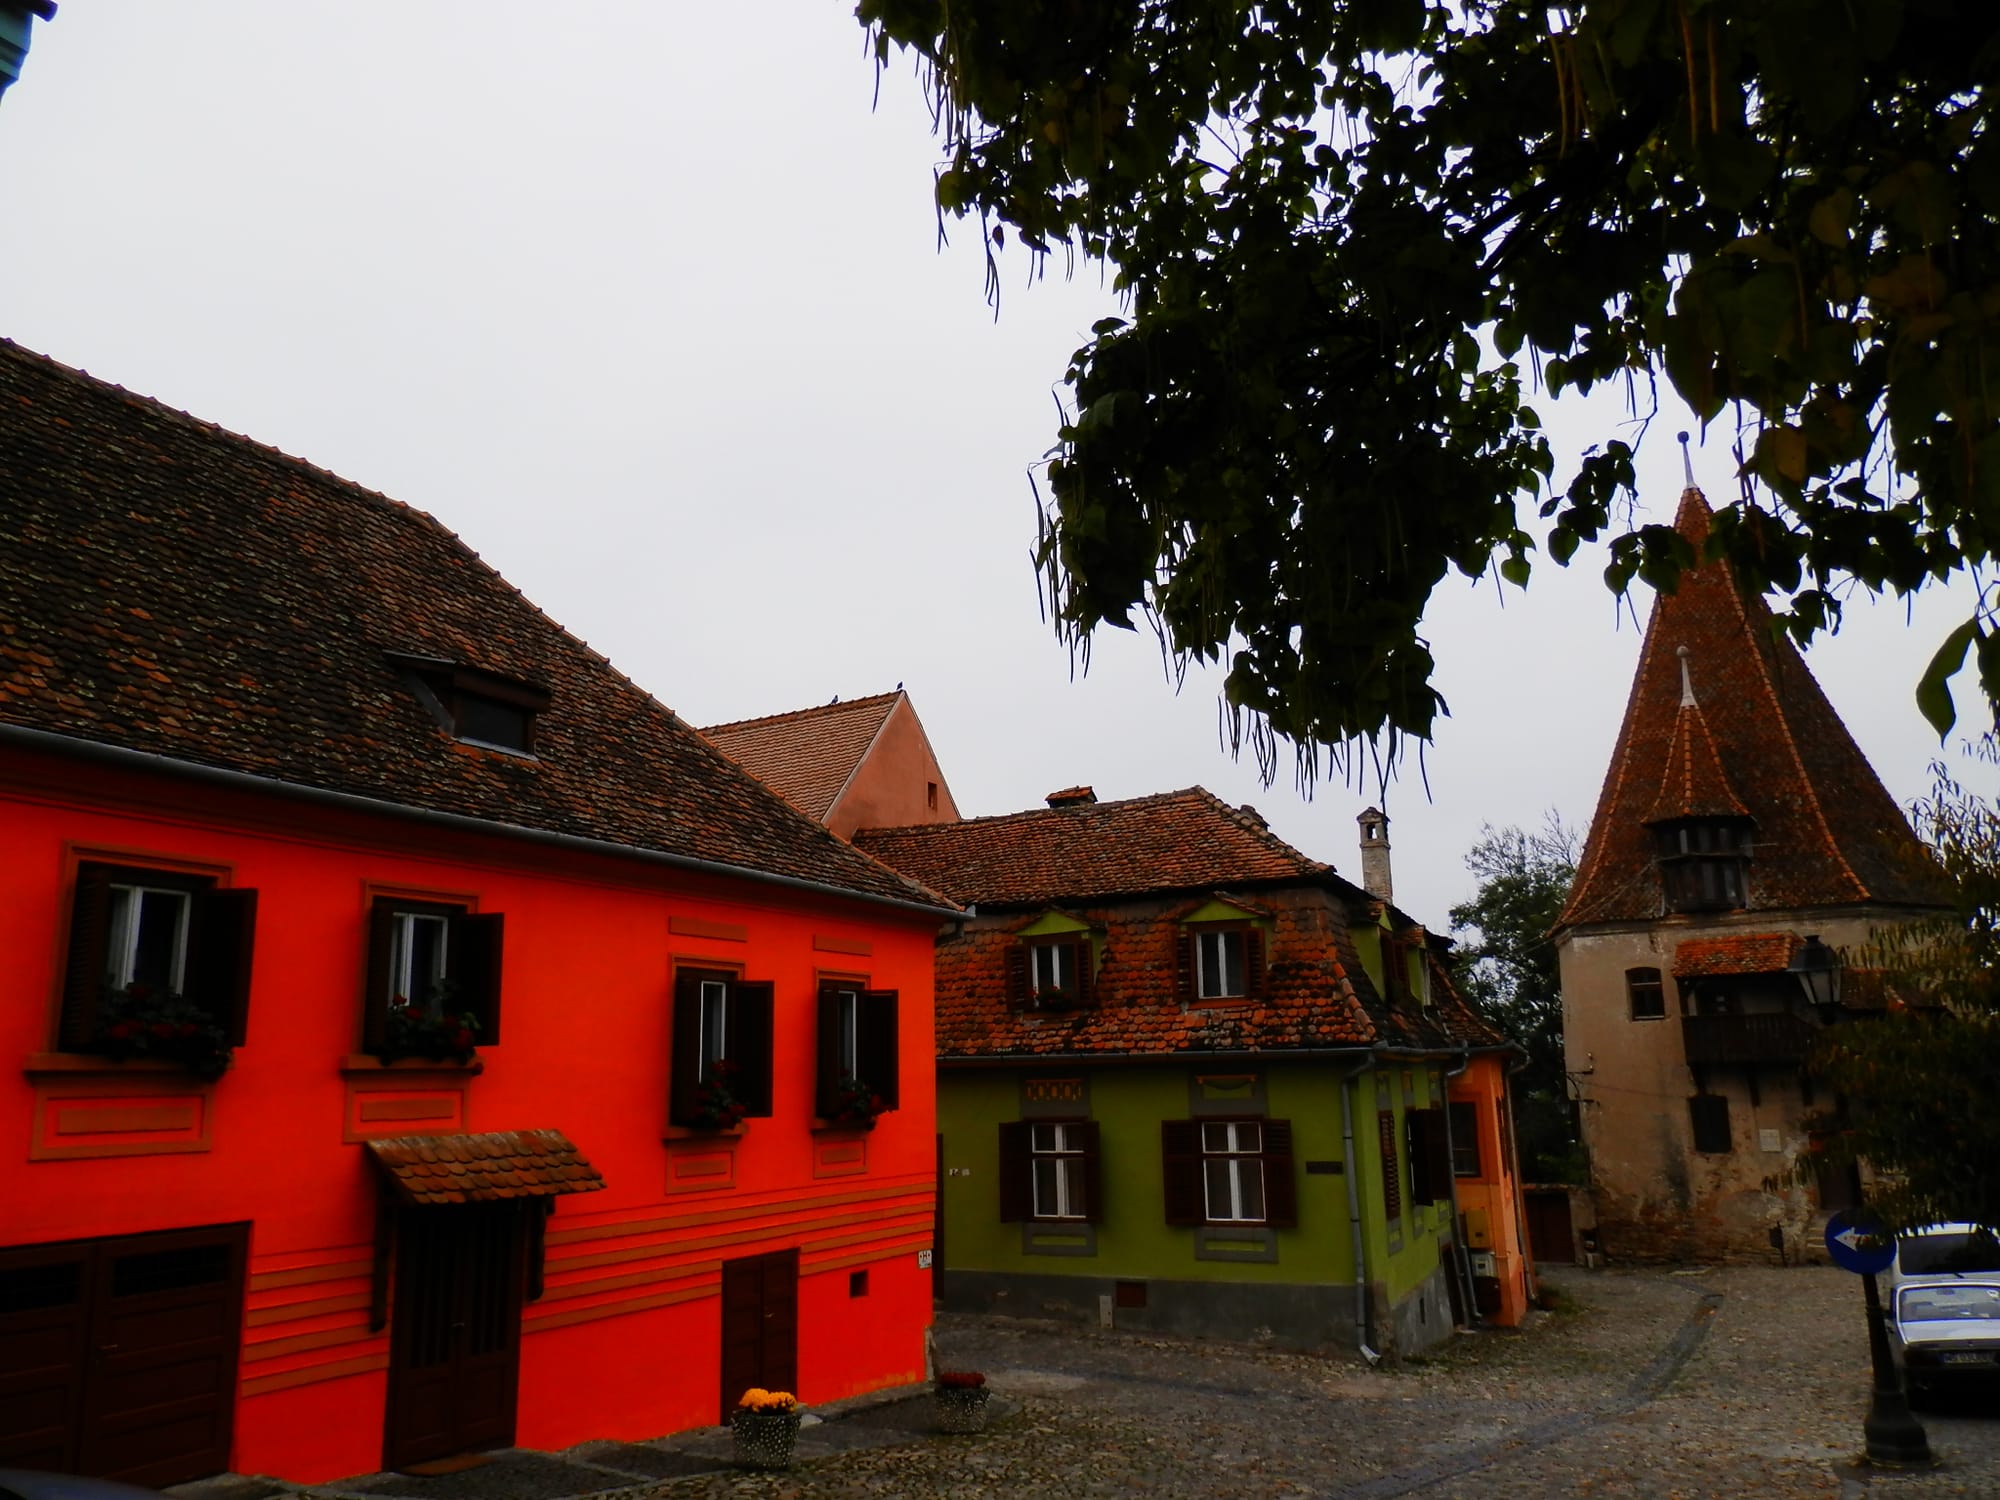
x=118 y=1356
x=1551 y=1239
x=760 y=1325
x=455 y=1331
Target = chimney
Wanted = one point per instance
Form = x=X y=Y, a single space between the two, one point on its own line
x=1074 y=796
x=1375 y=854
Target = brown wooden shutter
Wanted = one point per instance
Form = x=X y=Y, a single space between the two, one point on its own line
x=826 y=1072
x=222 y=930
x=1184 y=967
x=1180 y=1163
x=472 y=964
x=1392 y=1176
x=1017 y=973
x=1017 y=1185
x=375 y=995
x=1253 y=962
x=84 y=975
x=684 y=1071
x=1093 y=1170
x=1086 y=982
x=1281 y=1188
x=881 y=1063
x=749 y=1032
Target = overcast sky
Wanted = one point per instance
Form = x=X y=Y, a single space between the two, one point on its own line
x=644 y=301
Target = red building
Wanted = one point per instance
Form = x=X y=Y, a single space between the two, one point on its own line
x=426 y=1041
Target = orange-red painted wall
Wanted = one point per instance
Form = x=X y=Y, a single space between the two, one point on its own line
x=1490 y=1204
x=624 y=1341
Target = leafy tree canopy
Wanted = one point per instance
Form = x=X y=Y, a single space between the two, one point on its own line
x=1505 y=964
x=1916 y=1084
x=1342 y=230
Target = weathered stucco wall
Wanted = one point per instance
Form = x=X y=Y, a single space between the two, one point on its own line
x=1657 y=1198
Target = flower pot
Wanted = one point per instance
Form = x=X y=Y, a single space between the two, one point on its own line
x=961 y=1409
x=764 y=1438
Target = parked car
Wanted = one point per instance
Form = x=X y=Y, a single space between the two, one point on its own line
x=1945 y=1252
x=34 y=1484
x=1946 y=1333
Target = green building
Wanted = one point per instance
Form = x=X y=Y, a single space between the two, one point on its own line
x=1191 y=1080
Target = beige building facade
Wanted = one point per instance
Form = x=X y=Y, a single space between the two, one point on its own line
x=1737 y=822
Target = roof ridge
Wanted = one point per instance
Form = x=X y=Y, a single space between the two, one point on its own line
x=804 y=713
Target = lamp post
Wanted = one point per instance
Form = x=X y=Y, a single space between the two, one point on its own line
x=1893 y=1434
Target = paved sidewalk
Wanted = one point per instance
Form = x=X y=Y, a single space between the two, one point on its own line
x=1647 y=1385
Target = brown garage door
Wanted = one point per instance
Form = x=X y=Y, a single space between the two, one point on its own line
x=118 y=1356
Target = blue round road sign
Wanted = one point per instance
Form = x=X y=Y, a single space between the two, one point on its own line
x=1856 y=1243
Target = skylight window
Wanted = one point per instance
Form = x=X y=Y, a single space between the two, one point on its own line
x=479 y=708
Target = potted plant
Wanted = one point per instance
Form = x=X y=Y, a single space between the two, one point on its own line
x=1051 y=999
x=716 y=1106
x=138 y=1020
x=434 y=1034
x=961 y=1400
x=765 y=1424
x=856 y=1104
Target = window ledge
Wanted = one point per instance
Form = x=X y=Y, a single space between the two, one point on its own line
x=691 y=1133
x=85 y=1062
x=363 y=1062
x=821 y=1126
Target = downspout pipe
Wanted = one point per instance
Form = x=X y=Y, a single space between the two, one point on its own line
x=1362 y=1332
x=1461 y=1261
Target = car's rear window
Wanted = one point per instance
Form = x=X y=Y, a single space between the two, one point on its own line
x=1949 y=1301
x=1943 y=1253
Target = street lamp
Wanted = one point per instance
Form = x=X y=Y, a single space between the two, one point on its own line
x=1894 y=1435
x=1817 y=969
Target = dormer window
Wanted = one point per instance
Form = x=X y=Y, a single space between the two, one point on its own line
x=480 y=708
x=1704 y=863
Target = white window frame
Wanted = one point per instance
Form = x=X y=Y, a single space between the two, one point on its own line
x=417 y=989
x=1061 y=964
x=714 y=1011
x=1211 y=964
x=847 y=1032
x=1239 y=1146
x=1064 y=1149
x=124 y=919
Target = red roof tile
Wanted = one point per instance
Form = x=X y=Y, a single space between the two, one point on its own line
x=1133 y=871
x=169 y=587
x=1826 y=832
x=809 y=755
x=1739 y=953
x=474 y=1168
x=1186 y=840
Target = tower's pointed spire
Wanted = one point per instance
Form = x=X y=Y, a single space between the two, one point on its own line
x=1737 y=728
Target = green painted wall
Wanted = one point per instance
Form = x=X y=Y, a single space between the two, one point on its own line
x=1133 y=1239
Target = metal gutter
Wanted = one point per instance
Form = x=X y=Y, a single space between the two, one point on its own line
x=1352 y=1173
x=121 y=758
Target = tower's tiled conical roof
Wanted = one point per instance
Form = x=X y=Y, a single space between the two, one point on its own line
x=1759 y=740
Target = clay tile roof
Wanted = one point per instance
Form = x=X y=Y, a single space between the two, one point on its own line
x=1694 y=784
x=1739 y=953
x=1827 y=833
x=473 y=1168
x=169 y=587
x=1185 y=840
x=807 y=756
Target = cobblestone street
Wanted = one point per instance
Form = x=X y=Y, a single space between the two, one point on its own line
x=1674 y=1385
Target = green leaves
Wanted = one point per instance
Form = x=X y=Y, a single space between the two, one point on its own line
x=1934 y=689
x=1339 y=226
